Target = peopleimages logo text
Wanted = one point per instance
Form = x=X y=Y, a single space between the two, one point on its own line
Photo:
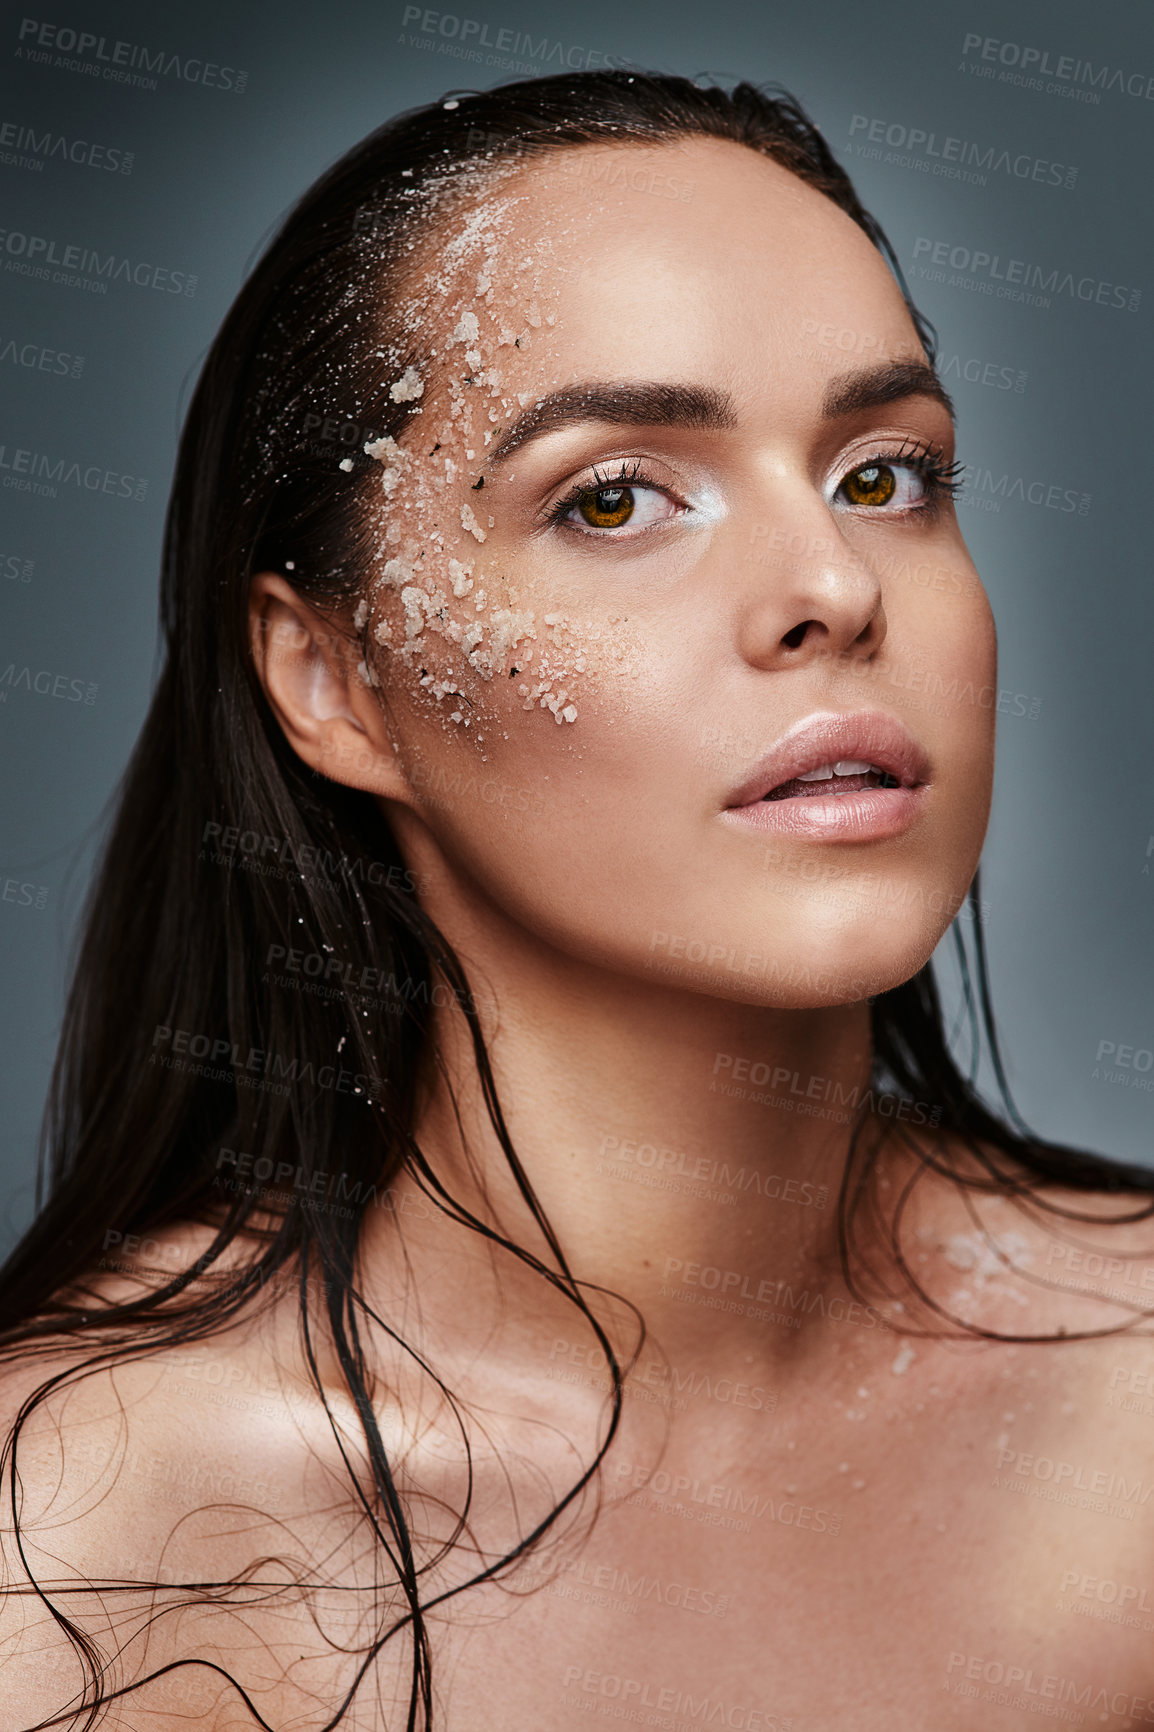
x=25 y=147
x=1038 y=63
x=40 y=256
x=121 y=62
x=1029 y=278
x=473 y=34
x=917 y=142
x=35 y=472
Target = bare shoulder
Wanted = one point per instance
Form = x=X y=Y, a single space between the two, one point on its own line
x=62 y=1504
x=1010 y=1253
x=130 y=1483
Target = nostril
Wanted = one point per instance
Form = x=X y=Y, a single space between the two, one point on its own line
x=795 y=638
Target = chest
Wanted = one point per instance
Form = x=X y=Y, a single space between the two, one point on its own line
x=898 y=1563
x=969 y=1543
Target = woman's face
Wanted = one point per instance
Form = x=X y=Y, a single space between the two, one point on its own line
x=668 y=535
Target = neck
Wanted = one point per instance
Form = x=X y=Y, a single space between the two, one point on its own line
x=686 y=1150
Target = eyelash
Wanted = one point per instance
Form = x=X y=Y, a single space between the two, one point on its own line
x=630 y=473
x=942 y=479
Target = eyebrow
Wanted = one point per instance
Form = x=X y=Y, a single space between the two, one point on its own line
x=699 y=407
x=889 y=382
x=704 y=408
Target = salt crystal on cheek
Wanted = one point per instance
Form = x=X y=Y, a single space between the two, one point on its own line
x=397 y=572
x=384 y=450
x=408 y=387
x=469 y=522
x=387 y=452
x=467 y=329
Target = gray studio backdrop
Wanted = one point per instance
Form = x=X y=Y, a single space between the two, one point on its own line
x=1006 y=148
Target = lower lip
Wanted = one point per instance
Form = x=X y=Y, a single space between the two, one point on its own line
x=868 y=815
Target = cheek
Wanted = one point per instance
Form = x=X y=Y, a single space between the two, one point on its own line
x=565 y=824
x=941 y=655
x=969 y=655
x=477 y=655
x=466 y=638
x=442 y=622
x=959 y=700
x=976 y=638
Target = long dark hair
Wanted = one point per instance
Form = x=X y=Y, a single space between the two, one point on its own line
x=179 y=1045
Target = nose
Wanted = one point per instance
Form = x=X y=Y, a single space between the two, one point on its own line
x=807 y=593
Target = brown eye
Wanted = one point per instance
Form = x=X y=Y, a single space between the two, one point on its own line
x=872 y=485
x=606 y=507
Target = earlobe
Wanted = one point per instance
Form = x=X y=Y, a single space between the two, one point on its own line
x=308 y=670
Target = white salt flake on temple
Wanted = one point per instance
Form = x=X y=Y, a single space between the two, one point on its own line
x=408 y=387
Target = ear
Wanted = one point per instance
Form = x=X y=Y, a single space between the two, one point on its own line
x=330 y=714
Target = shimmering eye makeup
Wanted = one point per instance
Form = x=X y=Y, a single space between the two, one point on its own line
x=875 y=483
x=624 y=500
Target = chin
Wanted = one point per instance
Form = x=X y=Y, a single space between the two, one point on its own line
x=842 y=954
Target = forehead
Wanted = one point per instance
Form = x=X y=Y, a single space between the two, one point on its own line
x=698 y=259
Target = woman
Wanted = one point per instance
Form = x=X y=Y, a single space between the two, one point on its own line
x=519 y=1245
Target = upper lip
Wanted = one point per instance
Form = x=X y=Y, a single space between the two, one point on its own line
x=824 y=738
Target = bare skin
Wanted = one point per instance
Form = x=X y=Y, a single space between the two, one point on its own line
x=811 y=1517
